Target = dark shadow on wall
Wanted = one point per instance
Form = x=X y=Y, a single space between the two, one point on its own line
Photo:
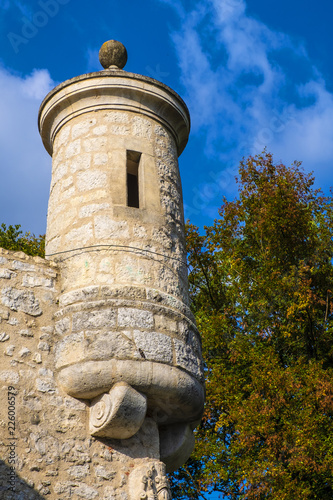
x=12 y=487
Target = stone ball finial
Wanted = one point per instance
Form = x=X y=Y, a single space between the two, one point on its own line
x=113 y=54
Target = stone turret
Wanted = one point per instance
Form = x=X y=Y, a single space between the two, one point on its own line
x=126 y=352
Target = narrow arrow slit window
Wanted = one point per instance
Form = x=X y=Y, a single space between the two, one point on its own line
x=132 y=165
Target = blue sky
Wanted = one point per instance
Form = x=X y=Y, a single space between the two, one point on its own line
x=253 y=73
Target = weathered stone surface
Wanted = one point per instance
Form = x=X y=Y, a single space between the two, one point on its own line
x=80 y=162
x=37 y=281
x=118 y=414
x=10 y=377
x=131 y=292
x=73 y=149
x=27 y=332
x=135 y=318
x=62 y=326
x=24 y=352
x=79 y=471
x=80 y=235
x=83 y=127
x=177 y=443
x=91 y=179
x=187 y=359
x=89 y=210
x=154 y=346
x=22 y=266
x=94 y=320
x=108 y=345
x=19 y=300
x=6 y=274
x=86 y=293
x=70 y=349
x=105 y=227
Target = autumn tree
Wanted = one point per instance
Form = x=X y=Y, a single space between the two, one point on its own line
x=261 y=281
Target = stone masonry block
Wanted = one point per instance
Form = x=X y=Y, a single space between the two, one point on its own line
x=88 y=210
x=59 y=172
x=62 y=326
x=78 y=471
x=82 y=127
x=100 y=159
x=100 y=130
x=105 y=227
x=94 y=144
x=163 y=323
x=73 y=149
x=187 y=359
x=135 y=318
x=154 y=346
x=105 y=318
x=91 y=180
x=37 y=281
x=19 y=300
x=80 y=162
x=142 y=127
x=63 y=135
x=6 y=274
x=109 y=345
x=87 y=293
x=117 y=117
x=131 y=292
x=80 y=235
x=71 y=349
x=119 y=129
x=22 y=266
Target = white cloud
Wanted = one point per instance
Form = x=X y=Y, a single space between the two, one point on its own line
x=37 y=85
x=233 y=79
x=25 y=167
x=309 y=133
x=229 y=78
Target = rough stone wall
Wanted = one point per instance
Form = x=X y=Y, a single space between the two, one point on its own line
x=44 y=443
x=88 y=203
x=124 y=289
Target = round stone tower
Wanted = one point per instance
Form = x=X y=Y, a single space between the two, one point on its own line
x=130 y=348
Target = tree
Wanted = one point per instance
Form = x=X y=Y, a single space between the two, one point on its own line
x=261 y=281
x=12 y=238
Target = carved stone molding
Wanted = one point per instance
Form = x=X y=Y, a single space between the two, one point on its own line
x=119 y=413
x=149 y=482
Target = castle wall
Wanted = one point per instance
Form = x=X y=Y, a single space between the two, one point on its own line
x=44 y=448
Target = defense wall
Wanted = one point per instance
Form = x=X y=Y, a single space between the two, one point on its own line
x=45 y=451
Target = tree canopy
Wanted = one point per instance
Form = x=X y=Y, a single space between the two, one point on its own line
x=12 y=238
x=261 y=282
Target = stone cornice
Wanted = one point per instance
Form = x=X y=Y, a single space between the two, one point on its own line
x=113 y=90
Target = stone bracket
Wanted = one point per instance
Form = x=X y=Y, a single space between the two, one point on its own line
x=119 y=413
x=176 y=445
